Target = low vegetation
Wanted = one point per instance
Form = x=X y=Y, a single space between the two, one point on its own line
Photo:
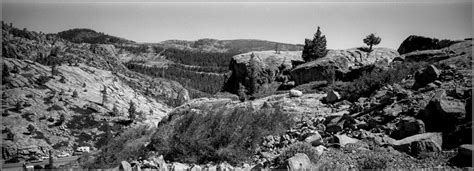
x=299 y=147
x=217 y=137
x=369 y=82
x=128 y=145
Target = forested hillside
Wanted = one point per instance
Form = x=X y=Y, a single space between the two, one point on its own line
x=82 y=35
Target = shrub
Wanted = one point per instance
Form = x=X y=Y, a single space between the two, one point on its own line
x=373 y=161
x=369 y=82
x=43 y=80
x=299 y=147
x=129 y=145
x=217 y=137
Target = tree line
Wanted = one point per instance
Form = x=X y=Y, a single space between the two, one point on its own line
x=206 y=82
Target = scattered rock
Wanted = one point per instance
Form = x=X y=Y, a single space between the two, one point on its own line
x=179 y=166
x=332 y=96
x=196 y=168
x=320 y=149
x=299 y=162
x=125 y=166
x=343 y=139
x=224 y=167
x=393 y=110
x=409 y=126
x=416 y=144
x=425 y=76
x=443 y=114
x=160 y=163
x=295 y=93
x=314 y=139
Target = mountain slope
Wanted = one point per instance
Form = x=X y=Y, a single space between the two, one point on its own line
x=82 y=35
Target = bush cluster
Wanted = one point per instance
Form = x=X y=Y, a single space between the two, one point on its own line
x=129 y=145
x=369 y=82
x=217 y=137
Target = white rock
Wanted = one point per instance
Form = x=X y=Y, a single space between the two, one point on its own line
x=295 y=93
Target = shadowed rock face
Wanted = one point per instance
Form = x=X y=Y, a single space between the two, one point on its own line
x=269 y=65
x=343 y=62
x=418 y=43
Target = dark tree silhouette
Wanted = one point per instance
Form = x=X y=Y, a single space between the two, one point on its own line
x=253 y=75
x=316 y=48
x=132 y=111
x=74 y=94
x=277 y=48
x=371 y=40
x=104 y=96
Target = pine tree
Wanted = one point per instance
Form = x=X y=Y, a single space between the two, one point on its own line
x=242 y=92
x=132 y=111
x=371 y=40
x=316 y=48
x=277 y=48
x=253 y=75
x=104 y=96
x=115 y=111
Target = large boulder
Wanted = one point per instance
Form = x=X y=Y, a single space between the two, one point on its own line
x=299 y=161
x=409 y=126
x=425 y=76
x=443 y=113
x=269 y=65
x=339 y=64
x=332 y=96
x=416 y=144
x=418 y=43
x=464 y=156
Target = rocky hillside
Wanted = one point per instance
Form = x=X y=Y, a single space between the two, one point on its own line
x=60 y=112
x=51 y=50
x=422 y=121
x=58 y=95
x=343 y=62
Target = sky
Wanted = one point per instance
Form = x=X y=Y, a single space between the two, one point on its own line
x=344 y=23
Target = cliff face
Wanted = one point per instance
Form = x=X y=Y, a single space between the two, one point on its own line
x=343 y=62
x=53 y=95
x=269 y=66
x=52 y=50
x=69 y=109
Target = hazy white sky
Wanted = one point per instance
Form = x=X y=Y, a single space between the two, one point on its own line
x=345 y=23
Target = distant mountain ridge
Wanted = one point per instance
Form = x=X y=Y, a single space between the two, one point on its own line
x=234 y=46
x=84 y=35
